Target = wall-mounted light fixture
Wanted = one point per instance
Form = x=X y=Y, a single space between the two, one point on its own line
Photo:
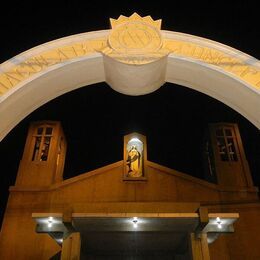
x=50 y=222
x=219 y=222
x=135 y=221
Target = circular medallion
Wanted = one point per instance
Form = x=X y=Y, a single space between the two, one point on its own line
x=135 y=37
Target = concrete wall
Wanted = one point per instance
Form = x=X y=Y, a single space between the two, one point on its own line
x=104 y=190
x=244 y=242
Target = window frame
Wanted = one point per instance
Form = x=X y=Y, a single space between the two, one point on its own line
x=232 y=155
x=43 y=135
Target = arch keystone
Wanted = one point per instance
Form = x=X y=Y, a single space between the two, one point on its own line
x=135 y=57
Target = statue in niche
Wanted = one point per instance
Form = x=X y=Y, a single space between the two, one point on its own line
x=134 y=162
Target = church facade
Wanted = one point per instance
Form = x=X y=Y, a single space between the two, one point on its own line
x=134 y=208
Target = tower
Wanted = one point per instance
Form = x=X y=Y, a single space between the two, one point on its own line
x=43 y=158
x=225 y=160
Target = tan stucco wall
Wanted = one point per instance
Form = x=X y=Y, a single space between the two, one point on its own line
x=104 y=190
x=109 y=186
x=244 y=242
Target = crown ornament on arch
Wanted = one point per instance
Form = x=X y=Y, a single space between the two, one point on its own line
x=135 y=40
x=135 y=17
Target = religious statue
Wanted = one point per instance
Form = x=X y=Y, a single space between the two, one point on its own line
x=134 y=162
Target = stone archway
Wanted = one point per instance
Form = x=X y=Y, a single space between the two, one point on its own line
x=135 y=57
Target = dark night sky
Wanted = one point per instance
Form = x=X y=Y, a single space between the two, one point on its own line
x=96 y=118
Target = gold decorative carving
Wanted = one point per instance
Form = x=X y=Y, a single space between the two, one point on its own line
x=40 y=62
x=240 y=68
x=135 y=40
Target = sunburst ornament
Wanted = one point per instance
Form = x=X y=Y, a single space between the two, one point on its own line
x=135 y=40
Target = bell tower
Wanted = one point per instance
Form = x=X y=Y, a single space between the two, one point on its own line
x=225 y=160
x=43 y=158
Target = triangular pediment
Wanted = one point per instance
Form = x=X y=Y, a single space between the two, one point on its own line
x=162 y=184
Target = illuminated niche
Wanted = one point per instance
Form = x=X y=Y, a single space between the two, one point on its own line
x=134 y=157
